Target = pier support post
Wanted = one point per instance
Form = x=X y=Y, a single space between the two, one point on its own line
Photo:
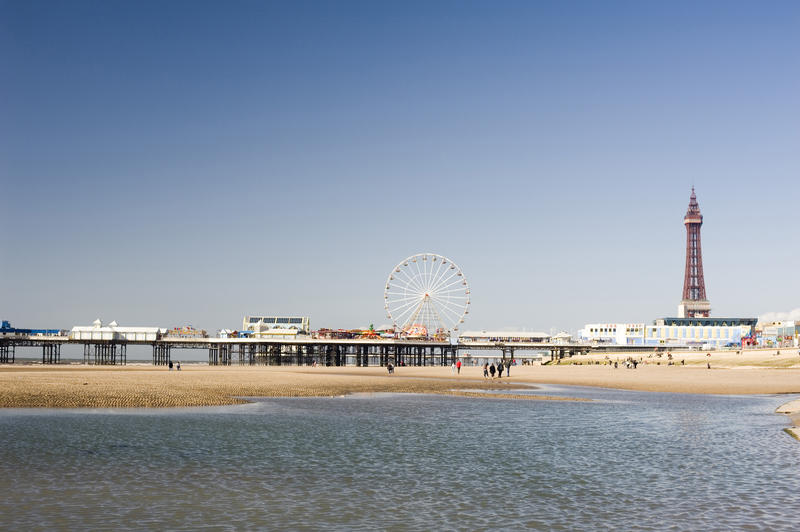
x=7 y=354
x=213 y=355
x=161 y=354
x=51 y=353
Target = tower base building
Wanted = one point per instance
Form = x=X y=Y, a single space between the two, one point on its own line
x=690 y=308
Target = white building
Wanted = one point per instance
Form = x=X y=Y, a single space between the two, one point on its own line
x=613 y=333
x=692 y=332
x=112 y=331
x=268 y=326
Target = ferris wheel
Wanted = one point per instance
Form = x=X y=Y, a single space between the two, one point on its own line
x=426 y=295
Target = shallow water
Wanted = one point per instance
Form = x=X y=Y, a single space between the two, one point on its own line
x=628 y=460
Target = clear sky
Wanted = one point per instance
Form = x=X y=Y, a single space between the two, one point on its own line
x=173 y=163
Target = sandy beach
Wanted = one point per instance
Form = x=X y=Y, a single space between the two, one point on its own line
x=196 y=385
x=78 y=386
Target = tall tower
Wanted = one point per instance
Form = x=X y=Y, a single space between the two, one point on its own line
x=694 y=303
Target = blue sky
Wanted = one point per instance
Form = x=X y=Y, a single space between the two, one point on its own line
x=172 y=163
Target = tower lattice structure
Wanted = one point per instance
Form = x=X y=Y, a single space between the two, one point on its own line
x=694 y=303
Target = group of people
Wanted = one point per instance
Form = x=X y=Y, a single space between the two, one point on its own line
x=456 y=367
x=177 y=365
x=489 y=370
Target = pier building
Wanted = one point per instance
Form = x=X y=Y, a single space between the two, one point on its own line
x=113 y=331
x=278 y=327
x=7 y=330
x=504 y=337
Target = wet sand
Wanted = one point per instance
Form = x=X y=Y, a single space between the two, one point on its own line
x=74 y=386
x=71 y=386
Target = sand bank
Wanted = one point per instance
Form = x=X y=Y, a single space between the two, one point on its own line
x=792 y=409
x=71 y=386
x=148 y=386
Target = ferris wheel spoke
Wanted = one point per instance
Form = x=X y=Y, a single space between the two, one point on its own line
x=405 y=297
x=418 y=274
x=401 y=274
x=438 y=275
x=433 y=271
x=402 y=316
x=455 y=309
x=435 y=314
x=402 y=278
x=445 y=278
x=399 y=305
x=406 y=293
x=399 y=309
x=414 y=314
x=446 y=274
x=452 y=283
x=456 y=290
x=413 y=279
x=447 y=305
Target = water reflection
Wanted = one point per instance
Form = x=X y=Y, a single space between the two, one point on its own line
x=625 y=460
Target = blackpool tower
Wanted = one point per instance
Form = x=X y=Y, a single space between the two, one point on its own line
x=694 y=303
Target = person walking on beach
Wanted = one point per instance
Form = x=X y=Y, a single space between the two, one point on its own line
x=453 y=368
x=508 y=368
x=485 y=370
x=458 y=367
x=492 y=370
x=500 y=370
x=390 y=368
x=170 y=365
x=178 y=365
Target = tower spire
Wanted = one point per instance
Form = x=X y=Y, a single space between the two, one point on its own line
x=694 y=303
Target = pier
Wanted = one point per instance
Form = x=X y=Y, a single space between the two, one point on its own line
x=294 y=352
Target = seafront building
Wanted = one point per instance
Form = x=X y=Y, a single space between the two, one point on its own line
x=672 y=332
x=779 y=333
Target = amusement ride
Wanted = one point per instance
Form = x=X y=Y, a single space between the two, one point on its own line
x=426 y=295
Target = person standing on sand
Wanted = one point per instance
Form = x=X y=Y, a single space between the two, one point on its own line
x=178 y=365
x=170 y=365
x=458 y=367
x=492 y=370
x=485 y=370
x=500 y=370
x=453 y=368
x=508 y=368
